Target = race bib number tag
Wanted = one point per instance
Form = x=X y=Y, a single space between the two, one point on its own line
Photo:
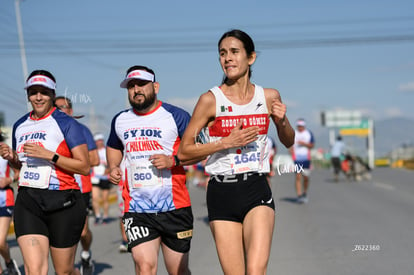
x=35 y=176
x=247 y=159
x=143 y=176
x=245 y=162
x=99 y=170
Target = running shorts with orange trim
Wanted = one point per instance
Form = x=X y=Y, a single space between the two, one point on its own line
x=174 y=227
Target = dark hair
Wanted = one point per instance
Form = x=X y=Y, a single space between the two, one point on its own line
x=2 y=137
x=41 y=72
x=68 y=101
x=139 y=67
x=244 y=38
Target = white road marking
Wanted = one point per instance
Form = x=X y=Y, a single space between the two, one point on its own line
x=383 y=185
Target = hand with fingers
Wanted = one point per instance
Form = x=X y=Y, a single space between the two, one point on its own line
x=278 y=111
x=240 y=136
x=115 y=175
x=161 y=161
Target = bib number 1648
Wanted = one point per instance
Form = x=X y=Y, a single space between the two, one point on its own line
x=244 y=158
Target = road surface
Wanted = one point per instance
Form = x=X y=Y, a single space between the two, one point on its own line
x=364 y=227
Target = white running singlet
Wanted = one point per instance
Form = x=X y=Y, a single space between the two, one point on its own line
x=302 y=153
x=254 y=157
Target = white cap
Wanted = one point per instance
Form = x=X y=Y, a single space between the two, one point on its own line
x=41 y=80
x=137 y=74
x=300 y=122
x=98 y=137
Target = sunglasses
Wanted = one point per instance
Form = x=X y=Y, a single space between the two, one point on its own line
x=139 y=83
x=60 y=107
x=42 y=91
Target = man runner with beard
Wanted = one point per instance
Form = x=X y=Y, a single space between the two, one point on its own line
x=157 y=204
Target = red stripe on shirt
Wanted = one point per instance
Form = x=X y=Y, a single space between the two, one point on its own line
x=223 y=125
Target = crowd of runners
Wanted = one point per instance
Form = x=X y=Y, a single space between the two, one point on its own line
x=64 y=172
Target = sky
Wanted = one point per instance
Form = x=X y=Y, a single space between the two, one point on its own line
x=320 y=55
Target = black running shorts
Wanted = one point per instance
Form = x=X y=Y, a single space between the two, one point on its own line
x=174 y=227
x=6 y=211
x=87 y=200
x=63 y=227
x=105 y=184
x=231 y=197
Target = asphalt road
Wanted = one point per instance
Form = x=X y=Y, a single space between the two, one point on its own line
x=358 y=228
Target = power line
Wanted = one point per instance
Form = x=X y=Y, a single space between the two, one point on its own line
x=341 y=41
x=203 y=30
x=203 y=46
x=158 y=35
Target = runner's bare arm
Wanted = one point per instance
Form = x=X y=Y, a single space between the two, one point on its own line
x=278 y=110
x=9 y=154
x=114 y=158
x=204 y=113
x=78 y=163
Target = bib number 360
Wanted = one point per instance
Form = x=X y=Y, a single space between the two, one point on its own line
x=142 y=176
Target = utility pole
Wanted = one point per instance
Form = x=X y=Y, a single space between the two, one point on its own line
x=371 y=151
x=21 y=43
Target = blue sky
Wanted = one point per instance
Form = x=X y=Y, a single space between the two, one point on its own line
x=320 y=55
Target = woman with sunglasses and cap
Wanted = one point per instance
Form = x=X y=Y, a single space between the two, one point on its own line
x=48 y=149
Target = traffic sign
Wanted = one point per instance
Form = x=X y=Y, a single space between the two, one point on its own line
x=362 y=129
x=341 y=118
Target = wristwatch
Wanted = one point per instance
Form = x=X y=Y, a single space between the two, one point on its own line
x=55 y=158
x=177 y=160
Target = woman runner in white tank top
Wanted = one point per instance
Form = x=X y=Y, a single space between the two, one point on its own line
x=229 y=126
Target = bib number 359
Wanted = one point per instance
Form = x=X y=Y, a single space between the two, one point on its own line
x=31 y=176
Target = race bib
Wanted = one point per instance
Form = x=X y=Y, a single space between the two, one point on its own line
x=248 y=158
x=35 y=176
x=145 y=176
x=99 y=170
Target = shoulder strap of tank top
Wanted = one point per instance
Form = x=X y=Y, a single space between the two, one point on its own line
x=216 y=91
x=259 y=91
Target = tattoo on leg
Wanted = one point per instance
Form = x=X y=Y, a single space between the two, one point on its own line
x=34 y=242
